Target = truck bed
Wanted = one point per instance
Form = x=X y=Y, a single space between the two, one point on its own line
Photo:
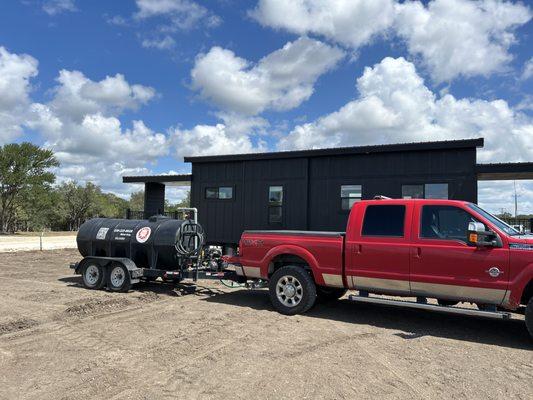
x=297 y=233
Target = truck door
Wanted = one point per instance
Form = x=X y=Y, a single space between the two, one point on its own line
x=444 y=266
x=377 y=254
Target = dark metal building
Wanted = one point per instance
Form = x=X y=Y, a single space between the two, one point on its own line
x=314 y=189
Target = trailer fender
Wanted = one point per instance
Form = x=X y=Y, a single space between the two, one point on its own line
x=292 y=250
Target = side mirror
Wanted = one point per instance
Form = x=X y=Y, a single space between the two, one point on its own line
x=479 y=236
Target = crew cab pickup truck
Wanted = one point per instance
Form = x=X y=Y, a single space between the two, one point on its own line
x=452 y=251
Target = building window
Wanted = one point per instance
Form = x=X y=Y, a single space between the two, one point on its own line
x=427 y=191
x=275 y=204
x=384 y=221
x=222 y=192
x=350 y=194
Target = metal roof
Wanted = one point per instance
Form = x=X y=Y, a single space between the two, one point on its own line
x=168 y=180
x=383 y=148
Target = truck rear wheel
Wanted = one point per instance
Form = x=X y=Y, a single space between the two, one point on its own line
x=325 y=294
x=118 y=278
x=529 y=317
x=292 y=290
x=92 y=275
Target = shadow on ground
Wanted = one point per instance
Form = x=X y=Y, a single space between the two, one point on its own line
x=158 y=287
x=413 y=323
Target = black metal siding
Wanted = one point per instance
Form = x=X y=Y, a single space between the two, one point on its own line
x=312 y=186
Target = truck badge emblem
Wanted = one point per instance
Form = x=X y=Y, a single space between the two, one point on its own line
x=494 y=272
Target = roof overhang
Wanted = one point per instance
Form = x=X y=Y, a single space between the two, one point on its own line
x=504 y=171
x=167 y=180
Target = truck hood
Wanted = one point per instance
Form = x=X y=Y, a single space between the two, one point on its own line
x=523 y=242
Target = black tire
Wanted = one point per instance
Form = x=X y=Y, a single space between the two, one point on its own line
x=92 y=275
x=302 y=283
x=326 y=294
x=529 y=317
x=447 y=303
x=118 y=278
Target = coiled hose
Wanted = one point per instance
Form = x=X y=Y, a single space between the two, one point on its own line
x=189 y=239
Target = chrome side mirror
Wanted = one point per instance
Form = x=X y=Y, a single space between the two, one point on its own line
x=479 y=236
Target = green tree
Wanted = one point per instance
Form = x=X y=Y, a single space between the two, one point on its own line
x=23 y=167
x=136 y=202
x=79 y=203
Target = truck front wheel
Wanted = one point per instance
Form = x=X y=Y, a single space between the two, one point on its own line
x=529 y=317
x=292 y=290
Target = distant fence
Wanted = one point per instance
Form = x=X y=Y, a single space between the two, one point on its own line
x=179 y=214
x=525 y=222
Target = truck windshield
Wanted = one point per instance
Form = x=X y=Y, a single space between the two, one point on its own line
x=496 y=221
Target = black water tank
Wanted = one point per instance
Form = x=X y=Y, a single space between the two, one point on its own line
x=149 y=243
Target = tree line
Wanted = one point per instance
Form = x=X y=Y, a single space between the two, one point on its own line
x=31 y=200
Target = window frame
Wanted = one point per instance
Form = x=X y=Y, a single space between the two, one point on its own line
x=358 y=199
x=404 y=234
x=446 y=239
x=275 y=204
x=217 y=189
x=424 y=191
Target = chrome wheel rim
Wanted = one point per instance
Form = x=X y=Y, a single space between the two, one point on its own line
x=117 y=277
x=92 y=275
x=289 y=291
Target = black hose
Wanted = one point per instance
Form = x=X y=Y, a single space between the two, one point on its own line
x=189 y=239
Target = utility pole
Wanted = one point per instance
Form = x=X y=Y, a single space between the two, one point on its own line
x=515 y=201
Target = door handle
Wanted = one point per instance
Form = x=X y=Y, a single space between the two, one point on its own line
x=418 y=252
x=358 y=249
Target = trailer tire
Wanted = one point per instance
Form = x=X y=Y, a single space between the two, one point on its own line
x=292 y=290
x=118 y=278
x=92 y=275
x=326 y=294
x=529 y=317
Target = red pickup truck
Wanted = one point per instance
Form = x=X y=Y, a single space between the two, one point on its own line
x=452 y=251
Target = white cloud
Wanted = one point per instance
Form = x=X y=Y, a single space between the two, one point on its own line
x=394 y=105
x=76 y=95
x=54 y=7
x=280 y=81
x=528 y=70
x=81 y=125
x=234 y=136
x=350 y=22
x=16 y=71
x=452 y=37
x=459 y=37
x=182 y=14
x=498 y=196
x=163 y=43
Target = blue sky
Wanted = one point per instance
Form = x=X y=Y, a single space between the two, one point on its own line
x=230 y=76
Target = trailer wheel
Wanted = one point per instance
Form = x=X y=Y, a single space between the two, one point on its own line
x=326 y=294
x=118 y=278
x=529 y=317
x=292 y=290
x=92 y=275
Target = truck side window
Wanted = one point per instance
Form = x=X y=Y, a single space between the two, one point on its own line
x=444 y=223
x=386 y=220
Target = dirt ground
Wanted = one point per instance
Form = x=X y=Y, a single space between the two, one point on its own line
x=61 y=341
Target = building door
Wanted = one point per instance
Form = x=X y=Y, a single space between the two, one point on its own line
x=444 y=266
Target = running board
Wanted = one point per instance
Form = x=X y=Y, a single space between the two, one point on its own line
x=431 y=307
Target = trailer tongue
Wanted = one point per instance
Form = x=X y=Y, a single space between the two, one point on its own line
x=118 y=253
